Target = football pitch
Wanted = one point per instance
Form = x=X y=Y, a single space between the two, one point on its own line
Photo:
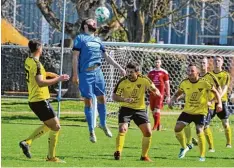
x=76 y=149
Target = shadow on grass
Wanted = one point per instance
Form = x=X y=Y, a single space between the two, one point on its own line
x=13 y=103
x=15 y=118
x=212 y=157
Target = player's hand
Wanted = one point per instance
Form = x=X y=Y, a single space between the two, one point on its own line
x=171 y=104
x=219 y=107
x=209 y=103
x=157 y=93
x=129 y=100
x=64 y=77
x=168 y=98
x=75 y=79
x=122 y=71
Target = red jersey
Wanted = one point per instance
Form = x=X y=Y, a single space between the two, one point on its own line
x=159 y=77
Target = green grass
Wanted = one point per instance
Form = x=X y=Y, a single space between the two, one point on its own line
x=74 y=146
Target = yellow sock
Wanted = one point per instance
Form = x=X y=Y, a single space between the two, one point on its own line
x=181 y=138
x=188 y=134
x=202 y=143
x=52 y=141
x=228 y=134
x=37 y=133
x=146 y=142
x=120 y=142
x=209 y=137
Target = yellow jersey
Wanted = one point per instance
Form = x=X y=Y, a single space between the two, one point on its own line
x=213 y=81
x=33 y=67
x=196 y=96
x=224 y=79
x=136 y=90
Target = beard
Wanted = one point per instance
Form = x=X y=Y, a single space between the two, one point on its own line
x=92 y=28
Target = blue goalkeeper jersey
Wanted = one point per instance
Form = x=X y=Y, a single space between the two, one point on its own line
x=90 y=48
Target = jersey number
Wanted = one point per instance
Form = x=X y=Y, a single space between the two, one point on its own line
x=27 y=75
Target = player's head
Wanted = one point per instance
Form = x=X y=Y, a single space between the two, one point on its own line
x=203 y=63
x=158 y=62
x=35 y=47
x=89 y=25
x=132 y=70
x=218 y=62
x=192 y=71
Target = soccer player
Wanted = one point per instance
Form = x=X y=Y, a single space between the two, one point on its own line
x=130 y=92
x=195 y=110
x=224 y=80
x=204 y=74
x=87 y=55
x=38 y=101
x=160 y=78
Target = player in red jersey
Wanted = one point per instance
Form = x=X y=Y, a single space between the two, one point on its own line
x=160 y=78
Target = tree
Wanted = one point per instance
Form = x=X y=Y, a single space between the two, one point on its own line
x=134 y=20
x=137 y=18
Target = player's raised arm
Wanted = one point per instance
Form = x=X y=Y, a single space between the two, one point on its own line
x=114 y=63
x=47 y=82
x=51 y=75
x=75 y=66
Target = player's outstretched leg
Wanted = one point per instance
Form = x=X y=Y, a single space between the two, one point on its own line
x=25 y=148
x=102 y=115
x=89 y=117
x=25 y=145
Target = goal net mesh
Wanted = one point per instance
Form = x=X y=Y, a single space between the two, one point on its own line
x=175 y=58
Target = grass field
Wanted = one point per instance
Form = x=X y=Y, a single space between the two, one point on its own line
x=74 y=146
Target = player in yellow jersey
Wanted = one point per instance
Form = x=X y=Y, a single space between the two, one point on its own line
x=204 y=74
x=196 y=91
x=130 y=92
x=38 y=101
x=224 y=80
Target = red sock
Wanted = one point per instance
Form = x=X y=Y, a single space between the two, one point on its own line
x=156 y=121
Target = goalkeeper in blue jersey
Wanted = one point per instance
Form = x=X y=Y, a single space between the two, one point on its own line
x=87 y=54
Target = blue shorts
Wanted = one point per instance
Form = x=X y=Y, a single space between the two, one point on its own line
x=91 y=83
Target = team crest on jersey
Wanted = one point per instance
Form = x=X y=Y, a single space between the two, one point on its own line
x=139 y=85
x=219 y=78
x=200 y=89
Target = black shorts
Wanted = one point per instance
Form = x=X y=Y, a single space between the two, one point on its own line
x=210 y=115
x=128 y=114
x=224 y=114
x=188 y=118
x=42 y=109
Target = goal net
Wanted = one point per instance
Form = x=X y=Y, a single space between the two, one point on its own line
x=175 y=59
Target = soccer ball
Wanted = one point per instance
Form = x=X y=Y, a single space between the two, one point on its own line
x=102 y=14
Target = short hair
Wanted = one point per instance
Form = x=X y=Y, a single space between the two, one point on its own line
x=84 y=22
x=218 y=56
x=157 y=58
x=192 y=64
x=34 y=45
x=133 y=65
x=203 y=58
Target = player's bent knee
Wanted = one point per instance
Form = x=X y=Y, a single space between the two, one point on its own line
x=147 y=134
x=56 y=127
x=123 y=128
